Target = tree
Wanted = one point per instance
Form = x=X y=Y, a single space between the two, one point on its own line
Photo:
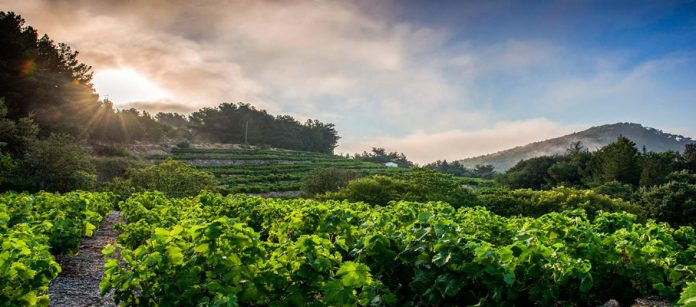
x=58 y=163
x=484 y=171
x=243 y=123
x=619 y=161
x=565 y=173
x=16 y=136
x=673 y=202
x=532 y=173
x=657 y=166
x=43 y=80
x=690 y=157
x=455 y=168
x=380 y=155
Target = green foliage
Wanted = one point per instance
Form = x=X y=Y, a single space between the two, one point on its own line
x=532 y=173
x=109 y=168
x=171 y=177
x=325 y=180
x=484 y=171
x=566 y=173
x=183 y=144
x=58 y=163
x=657 y=166
x=376 y=190
x=263 y=170
x=455 y=168
x=8 y=167
x=619 y=161
x=616 y=189
x=235 y=249
x=688 y=296
x=26 y=267
x=673 y=202
x=690 y=157
x=16 y=136
x=418 y=184
x=381 y=156
x=242 y=123
x=532 y=203
x=110 y=150
x=33 y=226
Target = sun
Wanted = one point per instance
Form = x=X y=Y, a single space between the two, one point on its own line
x=124 y=86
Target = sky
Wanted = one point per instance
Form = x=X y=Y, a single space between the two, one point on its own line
x=433 y=79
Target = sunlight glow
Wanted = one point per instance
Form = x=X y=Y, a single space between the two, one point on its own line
x=126 y=85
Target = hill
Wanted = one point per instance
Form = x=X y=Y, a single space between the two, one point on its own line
x=592 y=138
x=264 y=171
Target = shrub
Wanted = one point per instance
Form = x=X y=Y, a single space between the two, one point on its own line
x=183 y=144
x=325 y=180
x=375 y=190
x=109 y=168
x=173 y=178
x=418 y=184
x=616 y=189
x=111 y=150
x=532 y=203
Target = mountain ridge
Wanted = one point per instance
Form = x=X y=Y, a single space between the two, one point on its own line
x=592 y=138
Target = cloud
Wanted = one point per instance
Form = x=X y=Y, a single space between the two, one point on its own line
x=456 y=144
x=612 y=85
x=159 y=106
x=429 y=90
x=332 y=60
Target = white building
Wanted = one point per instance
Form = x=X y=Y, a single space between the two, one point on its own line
x=391 y=164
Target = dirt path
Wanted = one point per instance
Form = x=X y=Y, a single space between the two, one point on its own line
x=78 y=283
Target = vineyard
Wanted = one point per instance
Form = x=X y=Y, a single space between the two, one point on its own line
x=236 y=249
x=33 y=228
x=260 y=171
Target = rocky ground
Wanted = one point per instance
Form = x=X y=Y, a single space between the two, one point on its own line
x=78 y=282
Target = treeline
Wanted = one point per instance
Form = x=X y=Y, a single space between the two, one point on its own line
x=663 y=184
x=380 y=155
x=43 y=82
x=457 y=169
x=243 y=123
x=619 y=162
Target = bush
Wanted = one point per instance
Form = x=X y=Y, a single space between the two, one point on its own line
x=617 y=190
x=325 y=180
x=110 y=150
x=183 y=144
x=109 y=168
x=418 y=184
x=375 y=190
x=532 y=203
x=173 y=178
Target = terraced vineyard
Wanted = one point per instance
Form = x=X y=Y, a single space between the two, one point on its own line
x=272 y=172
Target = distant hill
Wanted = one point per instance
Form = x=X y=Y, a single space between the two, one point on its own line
x=593 y=139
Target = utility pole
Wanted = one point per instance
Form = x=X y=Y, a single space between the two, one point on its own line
x=246 y=133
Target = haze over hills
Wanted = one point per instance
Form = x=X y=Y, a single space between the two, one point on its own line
x=593 y=138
